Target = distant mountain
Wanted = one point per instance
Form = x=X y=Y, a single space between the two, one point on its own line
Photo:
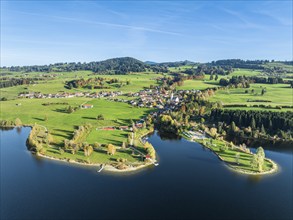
x=121 y=65
x=176 y=63
x=150 y=62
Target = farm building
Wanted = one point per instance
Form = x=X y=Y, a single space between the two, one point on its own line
x=124 y=128
x=87 y=106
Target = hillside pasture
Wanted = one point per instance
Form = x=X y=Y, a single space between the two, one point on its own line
x=62 y=124
x=278 y=94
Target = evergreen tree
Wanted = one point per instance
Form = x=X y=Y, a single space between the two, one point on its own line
x=263 y=131
x=252 y=124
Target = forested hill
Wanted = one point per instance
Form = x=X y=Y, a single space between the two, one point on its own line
x=175 y=64
x=121 y=65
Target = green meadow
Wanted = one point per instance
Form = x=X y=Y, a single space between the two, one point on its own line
x=229 y=156
x=198 y=84
x=278 y=94
x=62 y=125
x=138 y=81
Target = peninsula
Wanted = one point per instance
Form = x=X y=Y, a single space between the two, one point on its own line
x=98 y=113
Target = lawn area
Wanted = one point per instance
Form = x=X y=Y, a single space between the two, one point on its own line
x=62 y=124
x=115 y=137
x=198 y=84
x=246 y=72
x=229 y=156
x=278 y=94
x=98 y=156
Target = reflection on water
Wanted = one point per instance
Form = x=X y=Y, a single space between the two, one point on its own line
x=18 y=129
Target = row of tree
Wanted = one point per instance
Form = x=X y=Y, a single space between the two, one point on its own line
x=9 y=82
x=264 y=121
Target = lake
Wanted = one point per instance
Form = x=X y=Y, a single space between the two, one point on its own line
x=189 y=183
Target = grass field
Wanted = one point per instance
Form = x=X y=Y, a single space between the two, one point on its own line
x=229 y=156
x=198 y=84
x=279 y=94
x=98 y=156
x=115 y=137
x=137 y=82
x=242 y=72
x=63 y=124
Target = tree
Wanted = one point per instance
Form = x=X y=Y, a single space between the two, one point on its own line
x=254 y=161
x=61 y=151
x=257 y=160
x=217 y=77
x=96 y=145
x=129 y=139
x=150 y=149
x=50 y=138
x=260 y=152
x=111 y=149
x=202 y=110
x=263 y=131
x=88 y=150
x=252 y=124
x=100 y=117
x=211 y=77
x=233 y=127
x=237 y=156
x=213 y=132
x=70 y=109
x=17 y=122
x=123 y=146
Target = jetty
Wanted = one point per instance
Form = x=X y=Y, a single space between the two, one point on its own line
x=101 y=168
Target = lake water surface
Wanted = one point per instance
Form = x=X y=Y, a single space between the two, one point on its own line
x=189 y=183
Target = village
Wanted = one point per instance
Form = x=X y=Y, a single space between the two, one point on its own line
x=158 y=98
x=39 y=95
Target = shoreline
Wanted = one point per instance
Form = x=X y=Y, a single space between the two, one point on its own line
x=274 y=168
x=107 y=167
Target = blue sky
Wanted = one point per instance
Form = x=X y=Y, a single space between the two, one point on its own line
x=44 y=32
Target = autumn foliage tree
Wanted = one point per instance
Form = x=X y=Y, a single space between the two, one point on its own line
x=111 y=149
x=88 y=150
x=150 y=149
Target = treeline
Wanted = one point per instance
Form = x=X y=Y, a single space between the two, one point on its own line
x=7 y=123
x=238 y=63
x=9 y=82
x=246 y=80
x=214 y=70
x=97 y=83
x=170 y=83
x=264 y=122
x=38 y=139
x=94 y=83
x=174 y=64
x=121 y=65
x=193 y=107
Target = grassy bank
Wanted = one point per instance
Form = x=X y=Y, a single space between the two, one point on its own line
x=239 y=159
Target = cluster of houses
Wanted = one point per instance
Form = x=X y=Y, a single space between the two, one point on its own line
x=157 y=98
x=39 y=95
